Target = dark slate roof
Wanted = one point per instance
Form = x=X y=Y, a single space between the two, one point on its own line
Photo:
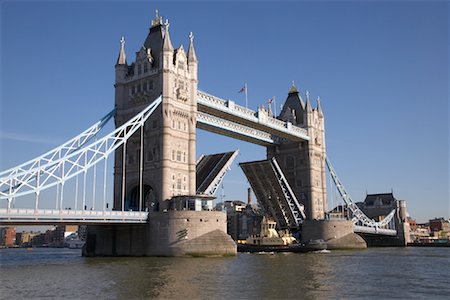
x=379 y=199
x=293 y=101
x=154 y=41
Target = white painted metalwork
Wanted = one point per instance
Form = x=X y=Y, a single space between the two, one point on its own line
x=359 y=217
x=78 y=161
x=297 y=209
x=233 y=129
x=374 y=230
x=55 y=216
x=23 y=172
x=247 y=116
x=274 y=193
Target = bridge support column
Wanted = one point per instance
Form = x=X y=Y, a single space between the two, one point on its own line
x=170 y=233
x=338 y=234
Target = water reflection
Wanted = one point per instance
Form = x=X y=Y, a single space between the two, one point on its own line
x=373 y=273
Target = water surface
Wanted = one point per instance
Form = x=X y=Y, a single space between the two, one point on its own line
x=394 y=273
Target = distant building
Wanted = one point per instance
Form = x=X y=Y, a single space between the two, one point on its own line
x=412 y=224
x=23 y=239
x=242 y=219
x=60 y=233
x=378 y=206
x=440 y=228
x=7 y=236
x=82 y=232
x=439 y=224
x=39 y=240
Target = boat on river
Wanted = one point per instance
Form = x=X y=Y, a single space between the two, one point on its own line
x=270 y=240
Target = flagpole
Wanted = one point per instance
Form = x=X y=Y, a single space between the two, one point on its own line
x=246 y=96
x=275 y=105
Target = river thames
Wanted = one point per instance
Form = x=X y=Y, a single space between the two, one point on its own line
x=381 y=273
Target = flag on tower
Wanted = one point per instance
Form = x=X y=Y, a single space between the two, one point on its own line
x=244 y=90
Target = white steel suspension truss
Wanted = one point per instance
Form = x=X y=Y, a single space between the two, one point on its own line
x=12 y=178
x=359 y=217
x=76 y=162
x=295 y=207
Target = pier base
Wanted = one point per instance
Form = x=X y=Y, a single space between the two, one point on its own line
x=171 y=233
x=338 y=234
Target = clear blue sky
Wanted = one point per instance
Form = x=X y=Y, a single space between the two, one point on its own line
x=380 y=68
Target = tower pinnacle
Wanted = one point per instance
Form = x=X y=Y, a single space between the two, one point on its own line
x=191 y=52
x=293 y=88
x=157 y=20
x=122 y=59
x=167 y=44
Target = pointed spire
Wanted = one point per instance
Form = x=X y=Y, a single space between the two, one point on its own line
x=122 y=59
x=293 y=88
x=157 y=21
x=167 y=43
x=319 y=108
x=191 y=52
x=269 y=111
x=308 y=104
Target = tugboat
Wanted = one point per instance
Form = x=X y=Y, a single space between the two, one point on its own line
x=269 y=240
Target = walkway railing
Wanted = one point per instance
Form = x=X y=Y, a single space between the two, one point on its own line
x=258 y=120
x=54 y=216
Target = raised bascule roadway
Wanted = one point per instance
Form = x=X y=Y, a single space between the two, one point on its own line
x=158 y=109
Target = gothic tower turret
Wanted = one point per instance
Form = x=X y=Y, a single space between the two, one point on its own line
x=303 y=163
x=168 y=160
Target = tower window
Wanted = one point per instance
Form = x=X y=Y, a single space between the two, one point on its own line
x=150 y=85
x=179 y=184
x=145 y=68
x=139 y=69
x=178 y=155
x=173 y=154
x=149 y=156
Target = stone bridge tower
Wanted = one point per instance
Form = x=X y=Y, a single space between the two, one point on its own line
x=303 y=163
x=169 y=148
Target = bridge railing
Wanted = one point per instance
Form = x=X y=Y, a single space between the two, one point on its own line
x=26 y=215
x=259 y=117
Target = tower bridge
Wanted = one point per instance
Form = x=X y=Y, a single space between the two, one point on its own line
x=160 y=189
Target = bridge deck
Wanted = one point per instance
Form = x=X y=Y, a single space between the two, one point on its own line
x=273 y=192
x=79 y=217
x=211 y=170
x=373 y=230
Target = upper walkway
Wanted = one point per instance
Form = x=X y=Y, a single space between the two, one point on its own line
x=226 y=117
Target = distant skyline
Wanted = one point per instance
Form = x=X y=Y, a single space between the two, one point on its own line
x=381 y=70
